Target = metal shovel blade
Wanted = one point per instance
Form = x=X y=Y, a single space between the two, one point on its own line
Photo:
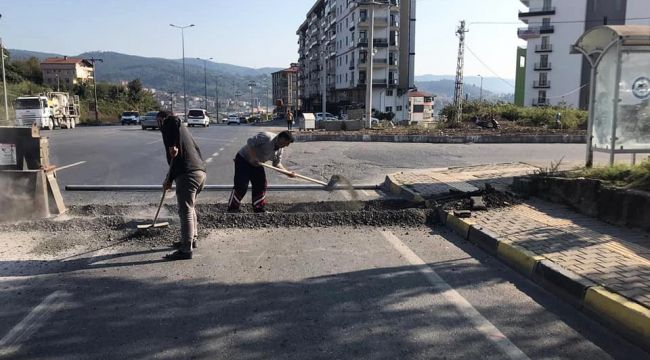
x=150 y=226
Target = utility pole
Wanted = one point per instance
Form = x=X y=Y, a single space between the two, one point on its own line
x=171 y=107
x=371 y=59
x=480 y=99
x=458 y=93
x=216 y=96
x=251 y=84
x=183 y=46
x=93 y=60
x=324 y=81
x=4 y=79
x=205 y=76
x=267 y=102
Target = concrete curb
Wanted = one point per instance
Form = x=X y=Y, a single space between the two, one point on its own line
x=395 y=187
x=628 y=317
x=431 y=139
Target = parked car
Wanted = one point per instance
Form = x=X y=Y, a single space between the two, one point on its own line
x=198 y=117
x=328 y=117
x=130 y=117
x=148 y=121
x=233 y=119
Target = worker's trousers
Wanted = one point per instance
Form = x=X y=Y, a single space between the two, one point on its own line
x=188 y=186
x=245 y=173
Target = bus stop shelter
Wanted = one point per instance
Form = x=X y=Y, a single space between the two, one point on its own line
x=619 y=102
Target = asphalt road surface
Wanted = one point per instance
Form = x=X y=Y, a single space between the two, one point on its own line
x=335 y=293
x=130 y=156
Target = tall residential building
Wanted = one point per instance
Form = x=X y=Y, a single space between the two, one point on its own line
x=554 y=75
x=285 y=87
x=66 y=71
x=334 y=43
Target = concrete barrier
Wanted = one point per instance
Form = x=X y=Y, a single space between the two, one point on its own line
x=434 y=139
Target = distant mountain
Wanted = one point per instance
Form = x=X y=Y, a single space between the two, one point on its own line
x=492 y=84
x=167 y=74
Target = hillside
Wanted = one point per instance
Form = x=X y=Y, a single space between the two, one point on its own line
x=491 y=84
x=166 y=74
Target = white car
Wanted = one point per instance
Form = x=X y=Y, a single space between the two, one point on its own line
x=198 y=117
x=233 y=119
x=328 y=117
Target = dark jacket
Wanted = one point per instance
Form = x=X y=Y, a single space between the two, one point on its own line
x=189 y=155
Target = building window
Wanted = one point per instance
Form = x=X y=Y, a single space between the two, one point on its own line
x=389 y=109
x=418 y=108
x=389 y=92
x=522 y=61
x=399 y=108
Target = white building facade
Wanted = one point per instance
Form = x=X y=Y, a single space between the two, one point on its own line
x=555 y=75
x=334 y=45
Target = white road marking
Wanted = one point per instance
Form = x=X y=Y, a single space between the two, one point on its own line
x=69 y=166
x=221 y=149
x=480 y=323
x=32 y=322
x=153 y=142
x=209 y=160
x=215 y=154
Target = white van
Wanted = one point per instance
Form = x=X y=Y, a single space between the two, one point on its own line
x=198 y=117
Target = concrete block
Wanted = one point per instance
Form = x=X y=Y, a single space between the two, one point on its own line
x=478 y=203
x=518 y=258
x=565 y=283
x=484 y=239
x=630 y=317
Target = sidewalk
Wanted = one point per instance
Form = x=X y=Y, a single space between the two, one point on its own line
x=600 y=268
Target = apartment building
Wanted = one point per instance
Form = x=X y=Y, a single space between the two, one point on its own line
x=334 y=55
x=66 y=71
x=554 y=75
x=285 y=87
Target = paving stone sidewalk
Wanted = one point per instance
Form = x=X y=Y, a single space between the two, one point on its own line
x=613 y=257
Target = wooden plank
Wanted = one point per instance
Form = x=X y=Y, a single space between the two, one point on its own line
x=55 y=192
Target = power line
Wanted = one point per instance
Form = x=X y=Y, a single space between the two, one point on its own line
x=569 y=93
x=488 y=68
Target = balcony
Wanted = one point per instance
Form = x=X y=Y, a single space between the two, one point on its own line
x=544 y=11
x=352 y=67
x=541 y=102
x=380 y=42
x=543 y=66
x=532 y=32
x=541 y=84
x=544 y=48
x=380 y=61
x=393 y=62
x=362 y=42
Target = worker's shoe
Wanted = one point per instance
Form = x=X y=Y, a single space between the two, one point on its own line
x=178 y=255
x=177 y=245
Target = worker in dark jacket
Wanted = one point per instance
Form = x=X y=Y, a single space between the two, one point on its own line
x=187 y=169
x=263 y=147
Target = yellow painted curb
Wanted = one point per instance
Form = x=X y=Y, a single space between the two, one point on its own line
x=632 y=316
x=521 y=259
x=460 y=226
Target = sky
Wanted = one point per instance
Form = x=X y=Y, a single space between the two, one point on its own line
x=253 y=33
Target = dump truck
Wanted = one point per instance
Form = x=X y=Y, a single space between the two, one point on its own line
x=48 y=111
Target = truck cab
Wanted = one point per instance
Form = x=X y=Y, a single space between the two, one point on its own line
x=32 y=110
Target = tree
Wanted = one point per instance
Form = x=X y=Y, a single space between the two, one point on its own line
x=135 y=90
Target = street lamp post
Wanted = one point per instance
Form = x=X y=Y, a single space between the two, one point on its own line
x=251 y=85
x=205 y=75
x=481 y=93
x=183 y=47
x=171 y=106
x=371 y=56
x=216 y=96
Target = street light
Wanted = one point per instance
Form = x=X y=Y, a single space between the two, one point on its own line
x=205 y=75
x=481 y=96
x=183 y=46
x=251 y=84
x=93 y=60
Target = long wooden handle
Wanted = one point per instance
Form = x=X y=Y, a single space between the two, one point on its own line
x=159 y=206
x=293 y=174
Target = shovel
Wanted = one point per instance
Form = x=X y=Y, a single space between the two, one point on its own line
x=329 y=186
x=154 y=225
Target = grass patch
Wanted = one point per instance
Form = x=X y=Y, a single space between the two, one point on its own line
x=624 y=175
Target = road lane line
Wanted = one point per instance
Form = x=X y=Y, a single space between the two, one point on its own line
x=209 y=160
x=69 y=166
x=221 y=149
x=32 y=322
x=215 y=154
x=463 y=306
x=153 y=142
